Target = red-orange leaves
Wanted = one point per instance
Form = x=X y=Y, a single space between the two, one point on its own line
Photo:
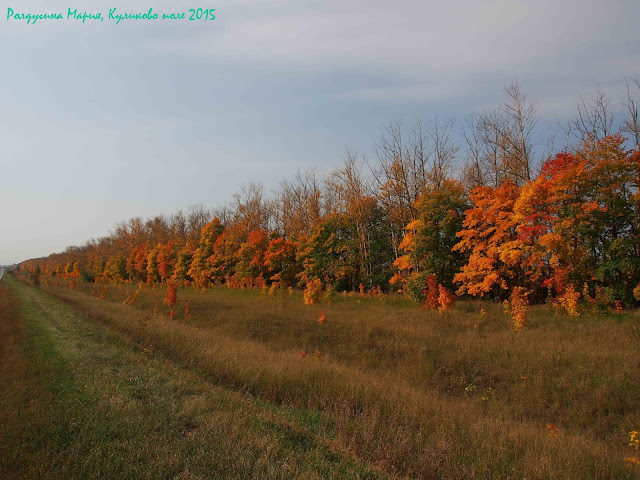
x=251 y=254
x=166 y=259
x=437 y=296
x=445 y=299
x=431 y=293
x=280 y=261
x=171 y=296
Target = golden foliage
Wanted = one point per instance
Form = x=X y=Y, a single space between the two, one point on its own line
x=569 y=301
x=312 y=292
x=519 y=307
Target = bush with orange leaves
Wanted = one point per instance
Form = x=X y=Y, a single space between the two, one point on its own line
x=445 y=299
x=170 y=297
x=569 y=301
x=519 y=307
x=259 y=282
x=431 y=294
x=313 y=291
x=322 y=318
x=436 y=296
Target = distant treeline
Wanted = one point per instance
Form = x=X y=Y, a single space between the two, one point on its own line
x=561 y=225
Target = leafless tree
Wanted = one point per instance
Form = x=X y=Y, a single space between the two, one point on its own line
x=346 y=185
x=197 y=217
x=298 y=204
x=499 y=143
x=399 y=177
x=632 y=122
x=594 y=119
x=251 y=208
x=410 y=160
x=442 y=152
x=474 y=171
x=407 y=162
x=520 y=116
x=224 y=213
x=178 y=227
x=158 y=228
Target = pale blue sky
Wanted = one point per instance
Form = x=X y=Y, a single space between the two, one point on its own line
x=103 y=122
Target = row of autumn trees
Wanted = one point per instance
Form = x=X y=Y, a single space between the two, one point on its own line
x=565 y=226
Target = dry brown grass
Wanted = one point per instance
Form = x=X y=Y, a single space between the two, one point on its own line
x=115 y=411
x=414 y=393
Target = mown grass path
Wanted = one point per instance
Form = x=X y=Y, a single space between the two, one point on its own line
x=80 y=401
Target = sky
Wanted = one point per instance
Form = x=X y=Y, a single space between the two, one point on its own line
x=102 y=122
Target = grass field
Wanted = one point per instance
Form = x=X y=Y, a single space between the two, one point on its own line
x=251 y=385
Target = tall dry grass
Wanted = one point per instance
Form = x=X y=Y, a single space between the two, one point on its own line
x=82 y=401
x=415 y=393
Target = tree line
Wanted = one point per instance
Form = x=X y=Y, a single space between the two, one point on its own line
x=562 y=224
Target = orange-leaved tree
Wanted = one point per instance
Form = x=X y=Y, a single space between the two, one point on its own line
x=579 y=221
x=200 y=267
x=166 y=260
x=280 y=261
x=251 y=254
x=490 y=238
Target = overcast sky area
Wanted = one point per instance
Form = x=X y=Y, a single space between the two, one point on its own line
x=102 y=122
